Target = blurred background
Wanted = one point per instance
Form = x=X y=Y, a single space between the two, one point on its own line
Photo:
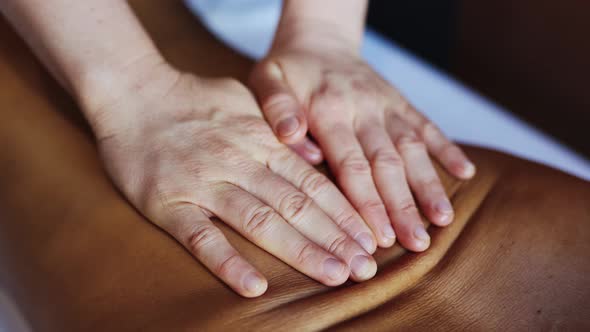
x=530 y=56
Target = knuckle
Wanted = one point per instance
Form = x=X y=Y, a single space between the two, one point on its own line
x=294 y=204
x=305 y=252
x=355 y=163
x=428 y=129
x=362 y=85
x=253 y=124
x=226 y=266
x=221 y=148
x=163 y=200
x=337 y=243
x=203 y=237
x=431 y=185
x=405 y=108
x=372 y=205
x=450 y=148
x=408 y=207
x=281 y=156
x=277 y=102
x=329 y=98
x=387 y=158
x=313 y=182
x=346 y=220
x=409 y=141
x=259 y=221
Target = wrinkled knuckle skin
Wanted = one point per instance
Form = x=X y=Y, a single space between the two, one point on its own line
x=276 y=102
x=409 y=208
x=372 y=206
x=257 y=130
x=221 y=148
x=225 y=268
x=338 y=243
x=355 y=163
x=203 y=237
x=346 y=220
x=409 y=142
x=450 y=149
x=429 y=129
x=386 y=158
x=305 y=253
x=293 y=205
x=314 y=182
x=162 y=202
x=328 y=99
x=431 y=185
x=281 y=156
x=259 y=221
x=405 y=109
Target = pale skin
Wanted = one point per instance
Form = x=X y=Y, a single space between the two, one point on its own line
x=184 y=148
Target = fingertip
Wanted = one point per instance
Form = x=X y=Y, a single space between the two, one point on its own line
x=388 y=236
x=312 y=152
x=254 y=285
x=363 y=268
x=367 y=242
x=335 y=272
x=287 y=126
x=314 y=159
x=309 y=151
x=291 y=130
x=442 y=213
x=421 y=239
x=466 y=171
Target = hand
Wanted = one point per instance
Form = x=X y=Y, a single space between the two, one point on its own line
x=183 y=149
x=374 y=141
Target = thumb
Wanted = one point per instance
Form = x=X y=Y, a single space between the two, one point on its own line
x=279 y=104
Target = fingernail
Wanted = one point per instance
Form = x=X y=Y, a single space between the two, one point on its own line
x=421 y=234
x=388 y=232
x=468 y=169
x=311 y=148
x=366 y=241
x=288 y=126
x=253 y=283
x=333 y=268
x=362 y=267
x=443 y=207
x=444 y=210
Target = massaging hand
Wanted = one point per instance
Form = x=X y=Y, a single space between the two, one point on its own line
x=374 y=141
x=188 y=149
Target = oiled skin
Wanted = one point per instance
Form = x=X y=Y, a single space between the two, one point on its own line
x=76 y=256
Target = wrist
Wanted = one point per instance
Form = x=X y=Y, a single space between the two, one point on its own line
x=112 y=98
x=326 y=24
x=313 y=35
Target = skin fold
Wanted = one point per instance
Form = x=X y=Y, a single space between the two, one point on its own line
x=184 y=148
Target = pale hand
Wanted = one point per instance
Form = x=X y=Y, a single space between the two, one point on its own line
x=374 y=141
x=183 y=149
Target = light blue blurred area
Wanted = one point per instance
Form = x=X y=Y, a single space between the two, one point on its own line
x=248 y=26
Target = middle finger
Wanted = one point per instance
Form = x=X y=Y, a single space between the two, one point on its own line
x=347 y=160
